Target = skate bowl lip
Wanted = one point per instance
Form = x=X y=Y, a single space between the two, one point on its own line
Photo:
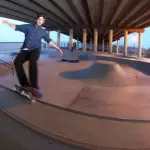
x=74 y=142
x=67 y=109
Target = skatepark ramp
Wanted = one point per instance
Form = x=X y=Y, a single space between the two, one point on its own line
x=101 y=72
x=36 y=126
x=19 y=129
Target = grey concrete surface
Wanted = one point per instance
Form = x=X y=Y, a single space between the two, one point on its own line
x=88 y=131
x=17 y=136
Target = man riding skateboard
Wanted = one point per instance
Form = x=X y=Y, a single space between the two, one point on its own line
x=30 y=50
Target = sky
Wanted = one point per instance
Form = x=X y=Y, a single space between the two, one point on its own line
x=9 y=35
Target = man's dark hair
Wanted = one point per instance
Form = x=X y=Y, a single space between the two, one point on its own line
x=41 y=15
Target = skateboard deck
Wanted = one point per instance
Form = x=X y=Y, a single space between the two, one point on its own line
x=30 y=93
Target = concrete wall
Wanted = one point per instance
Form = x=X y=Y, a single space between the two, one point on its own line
x=8 y=46
x=14 y=46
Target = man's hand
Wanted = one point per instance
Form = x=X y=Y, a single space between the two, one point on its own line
x=58 y=48
x=61 y=52
x=5 y=22
x=9 y=24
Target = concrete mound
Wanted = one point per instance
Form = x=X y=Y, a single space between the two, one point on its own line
x=102 y=72
x=136 y=64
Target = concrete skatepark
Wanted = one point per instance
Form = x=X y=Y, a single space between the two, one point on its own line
x=97 y=100
x=93 y=104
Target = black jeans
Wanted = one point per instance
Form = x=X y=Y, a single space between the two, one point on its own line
x=32 y=56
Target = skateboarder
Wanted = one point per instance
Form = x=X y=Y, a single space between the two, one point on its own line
x=30 y=50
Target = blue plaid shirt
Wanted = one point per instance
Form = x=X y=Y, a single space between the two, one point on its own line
x=33 y=36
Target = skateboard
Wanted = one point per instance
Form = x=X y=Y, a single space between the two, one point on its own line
x=29 y=92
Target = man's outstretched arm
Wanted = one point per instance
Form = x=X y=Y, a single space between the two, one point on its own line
x=22 y=28
x=55 y=46
x=13 y=26
x=50 y=42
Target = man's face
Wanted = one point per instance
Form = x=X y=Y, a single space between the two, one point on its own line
x=40 y=21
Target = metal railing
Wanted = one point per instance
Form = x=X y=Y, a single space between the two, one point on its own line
x=6 y=64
